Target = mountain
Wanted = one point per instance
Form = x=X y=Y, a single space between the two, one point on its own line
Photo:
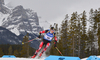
x=3 y=8
x=19 y=20
x=22 y=20
x=7 y=37
x=16 y=23
x=4 y=11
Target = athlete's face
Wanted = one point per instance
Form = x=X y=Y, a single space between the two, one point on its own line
x=51 y=31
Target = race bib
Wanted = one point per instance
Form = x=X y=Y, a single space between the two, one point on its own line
x=47 y=37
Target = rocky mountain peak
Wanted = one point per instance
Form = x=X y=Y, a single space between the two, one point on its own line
x=16 y=23
x=3 y=9
x=19 y=11
x=22 y=20
x=2 y=2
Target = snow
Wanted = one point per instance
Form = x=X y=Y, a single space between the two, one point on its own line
x=11 y=26
x=87 y=57
x=20 y=59
x=26 y=22
x=19 y=17
x=33 y=24
x=22 y=30
x=34 y=29
x=2 y=16
x=15 y=10
x=42 y=58
x=31 y=19
x=15 y=30
x=29 y=31
x=84 y=58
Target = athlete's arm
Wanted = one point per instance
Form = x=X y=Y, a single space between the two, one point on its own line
x=55 y=40
x=44 y=31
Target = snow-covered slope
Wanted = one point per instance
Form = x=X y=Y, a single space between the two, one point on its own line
x=20 y=59
x=2 y=17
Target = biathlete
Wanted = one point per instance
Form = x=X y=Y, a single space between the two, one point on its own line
x=46 y=41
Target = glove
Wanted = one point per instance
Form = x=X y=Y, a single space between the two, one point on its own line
x=39 y=35
x=55 y=44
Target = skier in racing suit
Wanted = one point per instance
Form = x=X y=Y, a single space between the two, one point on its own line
x=46 y=41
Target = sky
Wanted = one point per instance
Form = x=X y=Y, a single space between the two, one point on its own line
x=54 y=11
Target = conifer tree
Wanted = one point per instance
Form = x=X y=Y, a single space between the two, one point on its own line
x=99 y=37
x=1 y=52
x=16 y=53
x=73 y=34
x=10 y=51
x=91 y=20
x=79 y=28
x=89 y=43
x=90 y=34
x=63 y=42
x=25 y=47
x=98 y=32
x=95 y=29
x=62 y=38
x=83 y=36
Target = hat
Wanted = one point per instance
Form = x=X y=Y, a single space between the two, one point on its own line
x=52 y=28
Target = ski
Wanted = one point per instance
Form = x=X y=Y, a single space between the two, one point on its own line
x=33 y=56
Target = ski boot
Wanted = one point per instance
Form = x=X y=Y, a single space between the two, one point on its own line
x=34 y=56
x=40 y=55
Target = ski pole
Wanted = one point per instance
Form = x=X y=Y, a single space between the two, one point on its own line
x=59 y=51
x=28 y=41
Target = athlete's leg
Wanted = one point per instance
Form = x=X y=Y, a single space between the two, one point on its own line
x=41 y=44
x=47 y=45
